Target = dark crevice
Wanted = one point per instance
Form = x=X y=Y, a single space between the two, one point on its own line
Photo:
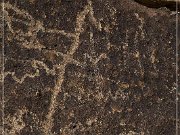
x=159 y=3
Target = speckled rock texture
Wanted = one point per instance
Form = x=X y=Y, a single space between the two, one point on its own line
x=88 y=67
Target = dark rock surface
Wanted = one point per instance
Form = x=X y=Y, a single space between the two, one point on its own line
x=81 y=67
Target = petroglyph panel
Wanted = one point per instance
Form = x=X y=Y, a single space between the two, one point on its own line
x=88 y=67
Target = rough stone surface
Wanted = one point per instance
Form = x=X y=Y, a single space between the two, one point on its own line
x=81 y=67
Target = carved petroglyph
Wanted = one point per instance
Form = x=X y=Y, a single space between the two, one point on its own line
x=62 y=32
x=85 y=77
x=95 y=60
x=21 y=80
x=34 y=26
x=141 y=25
x=80 y=19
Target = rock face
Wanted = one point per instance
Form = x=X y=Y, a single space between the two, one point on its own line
x=82 y=67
